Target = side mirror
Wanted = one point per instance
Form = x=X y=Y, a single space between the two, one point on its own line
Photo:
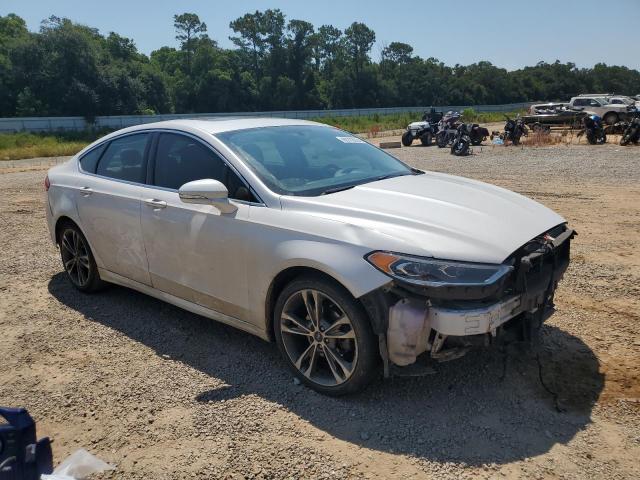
x=207 y=192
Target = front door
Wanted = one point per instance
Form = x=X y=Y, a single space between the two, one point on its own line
x=194 y=252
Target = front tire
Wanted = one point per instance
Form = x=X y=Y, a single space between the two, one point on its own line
x=407 y=139
x=78 y=260
x=324 y=336
x=460 y=147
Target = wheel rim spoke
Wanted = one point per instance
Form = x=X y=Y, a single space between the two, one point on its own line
x=84 y=261
x=80 y=275
x=312 y=304
x=66 y=243
x=76 y=241
x=332 y=365
x=334 y=360
x=301 y=329
x=311 y=350
x=335 y=332
x=69 y=264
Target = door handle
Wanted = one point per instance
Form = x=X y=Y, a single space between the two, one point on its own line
x=155 y=203
x=86 y=191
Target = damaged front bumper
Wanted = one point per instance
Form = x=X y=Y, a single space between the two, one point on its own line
x=447 y=322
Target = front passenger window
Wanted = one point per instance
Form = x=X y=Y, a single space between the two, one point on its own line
x=181 y=159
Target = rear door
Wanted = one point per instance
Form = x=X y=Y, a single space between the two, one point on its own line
x=108 y=203
x=195 y=252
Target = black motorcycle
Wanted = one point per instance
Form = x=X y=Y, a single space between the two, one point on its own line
x=478 y=134
x=592 y=128
x=462 y=140
x=514 y=130
x=631 y=133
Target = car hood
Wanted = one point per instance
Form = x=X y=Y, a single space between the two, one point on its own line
x=434 y=215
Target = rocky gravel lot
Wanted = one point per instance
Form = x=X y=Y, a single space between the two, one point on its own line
x=165 y=394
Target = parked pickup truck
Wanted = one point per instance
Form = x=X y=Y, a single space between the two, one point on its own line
x=610 y=113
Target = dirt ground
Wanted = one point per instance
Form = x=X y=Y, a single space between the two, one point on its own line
x=165 y=394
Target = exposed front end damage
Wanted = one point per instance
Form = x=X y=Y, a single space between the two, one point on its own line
x=447 y=321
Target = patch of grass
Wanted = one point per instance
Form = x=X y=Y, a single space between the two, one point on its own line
x=399 y=121
x=371 y=123
x=471 y=116
x=542 y=139
x=14 y=146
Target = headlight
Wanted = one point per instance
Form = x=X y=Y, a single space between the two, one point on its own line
x=429 y=272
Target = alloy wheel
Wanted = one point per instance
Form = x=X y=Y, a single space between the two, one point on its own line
x=75 y=257
x=318 y=337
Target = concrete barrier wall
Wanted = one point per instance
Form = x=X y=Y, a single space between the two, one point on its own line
x=49 y=124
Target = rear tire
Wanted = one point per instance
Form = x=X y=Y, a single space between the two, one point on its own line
x=78 y=260
x=425 y=139
x=611 y=118
x=335 y=354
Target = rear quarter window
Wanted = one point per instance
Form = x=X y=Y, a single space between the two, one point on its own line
x=89 y=161
x=124 y=158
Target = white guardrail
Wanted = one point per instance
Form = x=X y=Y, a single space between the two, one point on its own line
x=114 y=122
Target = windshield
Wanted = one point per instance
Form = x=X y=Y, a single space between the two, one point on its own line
x=311 y=160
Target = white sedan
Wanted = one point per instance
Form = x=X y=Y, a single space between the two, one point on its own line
x=353 y=262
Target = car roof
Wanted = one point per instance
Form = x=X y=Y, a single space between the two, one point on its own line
x=215 y=125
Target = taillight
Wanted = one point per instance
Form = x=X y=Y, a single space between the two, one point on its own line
x=47 y=183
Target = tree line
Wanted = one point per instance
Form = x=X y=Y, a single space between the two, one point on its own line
x=277 y=64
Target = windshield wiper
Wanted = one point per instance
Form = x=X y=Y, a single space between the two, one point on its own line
x=390 y=175
x=337 y=189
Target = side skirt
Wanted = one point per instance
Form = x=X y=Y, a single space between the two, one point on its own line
x=111 y=277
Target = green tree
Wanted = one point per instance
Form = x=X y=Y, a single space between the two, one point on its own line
x=397 y=53
x=358 y=42
x=188 y=29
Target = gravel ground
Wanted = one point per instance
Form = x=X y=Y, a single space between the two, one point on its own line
x=166 y=394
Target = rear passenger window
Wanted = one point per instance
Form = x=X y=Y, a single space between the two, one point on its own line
x=89 y=161
x=124 y=158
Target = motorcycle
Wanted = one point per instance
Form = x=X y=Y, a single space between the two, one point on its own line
x=447 y=129
x=462 y=140
x=514 y=130
x=631 y=134
x=592 y=128
x=478 y=134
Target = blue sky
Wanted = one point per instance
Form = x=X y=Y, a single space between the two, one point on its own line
x=509 y=34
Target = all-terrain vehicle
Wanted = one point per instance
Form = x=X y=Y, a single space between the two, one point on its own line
x=425 y=130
